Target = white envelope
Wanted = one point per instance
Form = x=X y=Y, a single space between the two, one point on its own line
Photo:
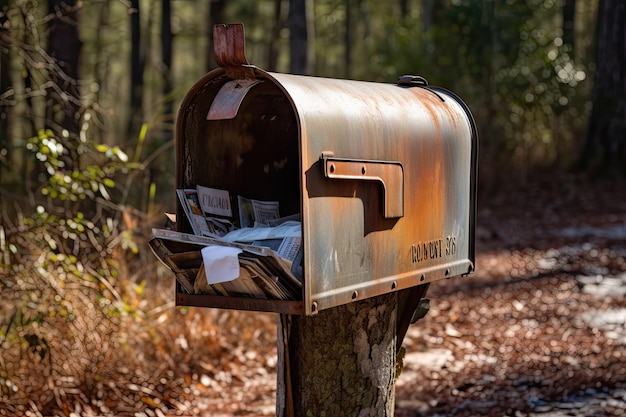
x=221 y=263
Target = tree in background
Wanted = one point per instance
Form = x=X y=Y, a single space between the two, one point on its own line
x=216 y=16
x=569 y=20
x=137 y=64
x=606 y=136
x=299 y=37
x=5 y=83
x=511 y=65
x=167 y=40
x=63 y=105
x=274 y=41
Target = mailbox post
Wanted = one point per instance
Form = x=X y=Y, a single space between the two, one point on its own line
x=345 y=361
x=383 y=179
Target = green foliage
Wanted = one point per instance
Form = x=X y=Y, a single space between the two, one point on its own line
x=76 y=183
x=80 y=216
x=507 y=60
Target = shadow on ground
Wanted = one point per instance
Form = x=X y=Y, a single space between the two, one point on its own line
x=540 y=329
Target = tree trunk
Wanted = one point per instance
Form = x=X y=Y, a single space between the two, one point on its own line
x=431 y=13
x=605 y=146
x=101 y=70
x=298 y=37
x=569 y=15
x=274 y=47
x=136 y=70
x=28 y=173
x=167 y=38
x=159 y=170
x=216 y=16
x=348 y=40
x=404 y=8
x=427 y=15
x=365 y=17
x=341 y=362
x=5 y=82
x=64 y=46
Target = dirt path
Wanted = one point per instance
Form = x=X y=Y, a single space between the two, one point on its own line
x=540 y=329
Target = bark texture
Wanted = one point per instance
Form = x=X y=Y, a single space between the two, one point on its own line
x=341 y=362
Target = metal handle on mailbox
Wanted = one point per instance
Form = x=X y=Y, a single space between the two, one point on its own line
x=389 y=173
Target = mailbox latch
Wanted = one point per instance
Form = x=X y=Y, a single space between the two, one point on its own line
x=389 y=173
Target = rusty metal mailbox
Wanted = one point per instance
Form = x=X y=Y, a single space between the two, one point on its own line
x=382 y=175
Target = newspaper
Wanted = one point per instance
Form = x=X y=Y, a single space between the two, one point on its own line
x=256 y=213
x=214 y=201
x=210 y=212
x=217 y=210
x=289 y=249
x=262 y=272
x=270 y=261
x=191 y=206
x=251 y=234
x=285 y=240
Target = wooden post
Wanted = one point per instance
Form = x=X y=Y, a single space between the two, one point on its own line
x=340 y=362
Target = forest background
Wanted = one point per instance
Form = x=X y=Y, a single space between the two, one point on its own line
x=89 y=92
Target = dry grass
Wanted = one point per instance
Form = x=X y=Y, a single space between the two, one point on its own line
x=88 y=326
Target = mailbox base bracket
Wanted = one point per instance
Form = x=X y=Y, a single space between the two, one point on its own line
x=411 y=279
x=240 y=303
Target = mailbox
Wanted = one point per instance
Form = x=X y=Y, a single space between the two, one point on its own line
x=383 y=176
